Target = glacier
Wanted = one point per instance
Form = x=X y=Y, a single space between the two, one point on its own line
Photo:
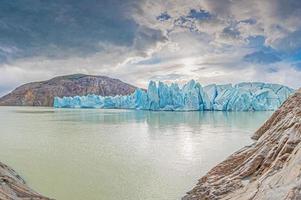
x=246 y=96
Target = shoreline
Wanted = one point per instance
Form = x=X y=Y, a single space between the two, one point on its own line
x=13 y=186
x=268 y=169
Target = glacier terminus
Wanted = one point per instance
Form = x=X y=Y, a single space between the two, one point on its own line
x=246 y=96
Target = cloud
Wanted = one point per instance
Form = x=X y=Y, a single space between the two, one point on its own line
x=163 y=16
x=297 y=66
x=261 y=57
x=290 y=43
x=199 y=14
x=208 y=40
x=169 y=77
x=58 y=29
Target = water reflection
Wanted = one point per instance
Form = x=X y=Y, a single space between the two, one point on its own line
x=119 y=154
x=163 y=119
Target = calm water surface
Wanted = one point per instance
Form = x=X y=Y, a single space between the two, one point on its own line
x=119 y=154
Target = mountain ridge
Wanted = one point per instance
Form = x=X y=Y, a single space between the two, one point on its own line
x=42 y=93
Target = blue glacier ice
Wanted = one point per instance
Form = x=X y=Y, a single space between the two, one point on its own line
x=247 y=96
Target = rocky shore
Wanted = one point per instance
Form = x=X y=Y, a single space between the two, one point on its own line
x=269 y=169
x=13 y=187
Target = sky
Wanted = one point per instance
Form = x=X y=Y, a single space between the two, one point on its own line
x=211 y=41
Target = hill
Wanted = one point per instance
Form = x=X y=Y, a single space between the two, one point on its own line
x=42 y=93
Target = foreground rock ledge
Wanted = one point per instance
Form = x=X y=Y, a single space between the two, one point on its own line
x=13 y=187
x=269 y=169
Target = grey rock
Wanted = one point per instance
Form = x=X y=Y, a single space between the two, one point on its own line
x=13 y=187
x=269 y=169
x=42 y=93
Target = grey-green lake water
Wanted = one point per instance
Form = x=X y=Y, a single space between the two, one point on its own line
x=119 y=154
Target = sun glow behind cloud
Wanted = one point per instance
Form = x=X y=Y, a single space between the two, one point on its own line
x=212 y=41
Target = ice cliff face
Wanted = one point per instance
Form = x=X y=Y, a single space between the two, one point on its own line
x=191 y=97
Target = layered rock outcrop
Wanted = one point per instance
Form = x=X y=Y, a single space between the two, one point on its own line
x=269 y=169
x=43 y=93
x=13 y=187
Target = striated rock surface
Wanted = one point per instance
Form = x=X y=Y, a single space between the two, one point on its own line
x=270 y=169
x=13 y=187
x=43 y=93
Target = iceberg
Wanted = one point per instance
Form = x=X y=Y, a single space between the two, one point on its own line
x=246 y=96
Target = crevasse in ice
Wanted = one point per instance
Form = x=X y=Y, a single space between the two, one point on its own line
x=254 y=96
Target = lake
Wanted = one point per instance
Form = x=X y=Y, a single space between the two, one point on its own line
x=97 y=154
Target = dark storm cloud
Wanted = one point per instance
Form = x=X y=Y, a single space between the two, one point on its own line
x=146 y=37
x=137 y=40
x=61 y=28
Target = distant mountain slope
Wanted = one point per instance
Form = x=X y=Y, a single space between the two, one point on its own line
x=43 y=93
